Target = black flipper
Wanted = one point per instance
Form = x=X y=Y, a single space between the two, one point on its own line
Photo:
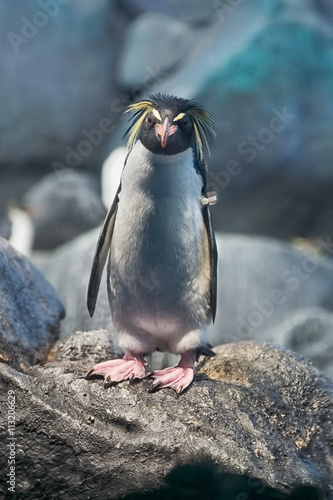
x=201 y=168
x=213 y=259
x=101 y=253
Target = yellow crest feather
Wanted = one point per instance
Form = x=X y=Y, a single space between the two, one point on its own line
x=141 y=108
x=204 y=129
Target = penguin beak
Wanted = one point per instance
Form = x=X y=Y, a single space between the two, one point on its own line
x=164 y=130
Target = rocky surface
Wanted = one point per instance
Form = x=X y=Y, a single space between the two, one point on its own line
x=309 y=331
x=68 y=269
x=255 y=423
x=262 y=283
x=141 y=60
x=30 y=311
x=58 y=96
x=63 y=205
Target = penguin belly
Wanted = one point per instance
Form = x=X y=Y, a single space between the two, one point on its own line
x=158 y=271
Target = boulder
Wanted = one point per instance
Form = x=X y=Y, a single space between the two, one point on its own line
x=309 y=332
x=30 y=311
x=256 y=423
x=154 y=45
x=50 y=104
x=63 y=205
x=68 y=269
x=192 y=12
x=263 y=282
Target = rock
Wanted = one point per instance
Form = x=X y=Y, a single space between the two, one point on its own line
x=68 y=270
x=50 y=105
x=5 y=225
x=30 y=311
x=63 y=205
x=154 y=44
x=261 y=283
x=194 y=12
x=309 y=332
x=260 y=426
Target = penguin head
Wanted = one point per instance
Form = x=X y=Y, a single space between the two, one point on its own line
x=168 y=125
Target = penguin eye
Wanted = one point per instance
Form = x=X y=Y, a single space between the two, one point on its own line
x=149 y=121
x=186 y=124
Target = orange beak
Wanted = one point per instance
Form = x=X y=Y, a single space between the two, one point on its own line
x=165 y=130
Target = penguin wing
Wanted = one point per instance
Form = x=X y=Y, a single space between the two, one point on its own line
x=101 y=253
x=213 y=258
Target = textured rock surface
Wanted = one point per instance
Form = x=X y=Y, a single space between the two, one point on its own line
x=154 y=44
x=189 y=11
x=261 y=426
x=309 y=332
x=63 y=205
x=30 y=311
x=68 y=270
x=48 y=101
x=262 y=283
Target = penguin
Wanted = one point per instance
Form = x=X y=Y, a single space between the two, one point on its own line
x=158 y=234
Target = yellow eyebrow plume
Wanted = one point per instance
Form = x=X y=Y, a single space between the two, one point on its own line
x=142 y=108
x=156 y=114
x=204 y=129
x=179 y=117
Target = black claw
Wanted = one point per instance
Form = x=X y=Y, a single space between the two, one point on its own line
x=156 y=387
x=108 y=381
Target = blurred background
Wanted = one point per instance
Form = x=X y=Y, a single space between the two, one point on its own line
x=262 y=68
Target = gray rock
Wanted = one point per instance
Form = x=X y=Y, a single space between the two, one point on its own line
x=309 y=332
x=68 y=269
x=250 y=431
x=154 y=45
x=57 y=66
x=63 y=205
x=263 y=282
x=5 y=226
x=194 y=12
x=30 y=311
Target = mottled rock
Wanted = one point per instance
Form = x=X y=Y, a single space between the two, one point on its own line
x=194 y=12
x=309 y=332
x=30 y=311
x=259 y=427
x=154 y=45
x=263 y=282
x=63 y=205
x=57 y=69
x=68 y=270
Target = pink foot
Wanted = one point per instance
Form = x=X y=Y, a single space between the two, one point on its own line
x=177 y=378
x=118 y=370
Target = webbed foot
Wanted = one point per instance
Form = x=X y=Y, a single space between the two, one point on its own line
x=118 y=370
